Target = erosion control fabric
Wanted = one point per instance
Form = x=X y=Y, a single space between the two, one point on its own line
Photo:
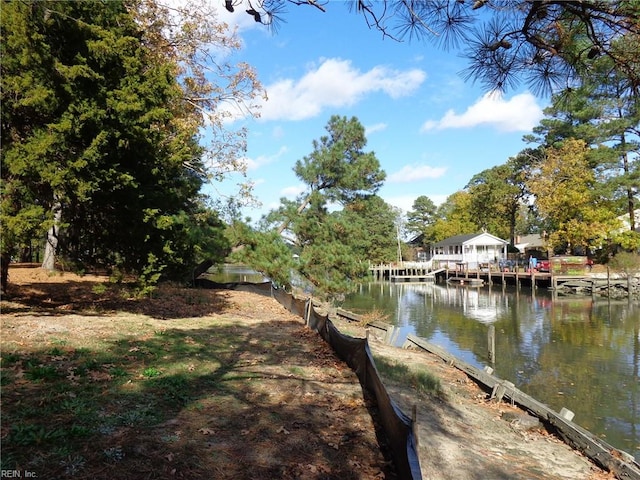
x=397 y=426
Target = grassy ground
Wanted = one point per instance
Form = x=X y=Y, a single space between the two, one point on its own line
x=196 y=384
x=190 y=384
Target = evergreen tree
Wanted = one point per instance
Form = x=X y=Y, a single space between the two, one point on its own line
x=422 y=217
x=374 y=227
x=333 y=248
x=99 y=147
x=605 y=113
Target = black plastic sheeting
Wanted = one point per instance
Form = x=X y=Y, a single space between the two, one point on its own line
x=397 y=426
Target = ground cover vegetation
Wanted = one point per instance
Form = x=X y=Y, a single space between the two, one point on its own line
x=98 y=384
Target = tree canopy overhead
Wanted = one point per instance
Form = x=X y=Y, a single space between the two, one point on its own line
x=549 y=44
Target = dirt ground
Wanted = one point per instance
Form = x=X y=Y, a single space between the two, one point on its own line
x=263 y=396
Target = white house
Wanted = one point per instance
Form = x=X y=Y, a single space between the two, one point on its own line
x=532 y=243
x=469 y=251
x=626 y=224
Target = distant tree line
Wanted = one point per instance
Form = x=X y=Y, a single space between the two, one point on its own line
x=104 y=105
x=583 y=173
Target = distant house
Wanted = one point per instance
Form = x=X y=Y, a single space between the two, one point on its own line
x=626 y=224
x=419 y=251
x=532 y=244
x=470 y=251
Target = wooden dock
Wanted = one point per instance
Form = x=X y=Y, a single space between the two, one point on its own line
x=414 y=272
x=412 y=278
x=466 y=282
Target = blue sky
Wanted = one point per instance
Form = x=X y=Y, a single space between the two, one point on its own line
x=430 y=130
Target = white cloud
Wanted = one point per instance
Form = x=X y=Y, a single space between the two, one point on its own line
x=413 y=173
x=520 y=113
x=378 y=127
x=334 y=83
x=255 y=163
x=293 y=191
x=438 y=199
x=403 y=202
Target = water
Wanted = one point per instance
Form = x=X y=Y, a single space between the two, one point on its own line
x=228 y=273
x=573 y=352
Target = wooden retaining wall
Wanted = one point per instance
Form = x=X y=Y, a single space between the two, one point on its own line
x=620 y=463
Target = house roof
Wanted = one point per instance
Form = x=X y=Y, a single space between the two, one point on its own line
x=417 y=240
x=627 y=224
x=531 y=241
x=463 y=239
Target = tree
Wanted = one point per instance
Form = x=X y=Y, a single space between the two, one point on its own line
x=328 y=258
x=422 y=217
x=550 y=43
x=563 y=188
x=454 y=217
x=100 y=139
x=374 y=224
x=605 y=113
x=498 y=195
x=265 y=251
x=338 y=170
x=333 y=247
x=188 y=35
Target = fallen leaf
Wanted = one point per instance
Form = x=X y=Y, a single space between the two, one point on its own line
x=206 y=431
x=99 y=376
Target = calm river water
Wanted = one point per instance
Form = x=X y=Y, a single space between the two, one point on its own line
x=571 y=352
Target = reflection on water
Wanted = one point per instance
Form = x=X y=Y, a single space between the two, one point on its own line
x=234 y=273
x=573 y=352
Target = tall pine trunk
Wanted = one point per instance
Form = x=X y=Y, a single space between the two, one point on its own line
x=51 y=247
x=5 y=258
